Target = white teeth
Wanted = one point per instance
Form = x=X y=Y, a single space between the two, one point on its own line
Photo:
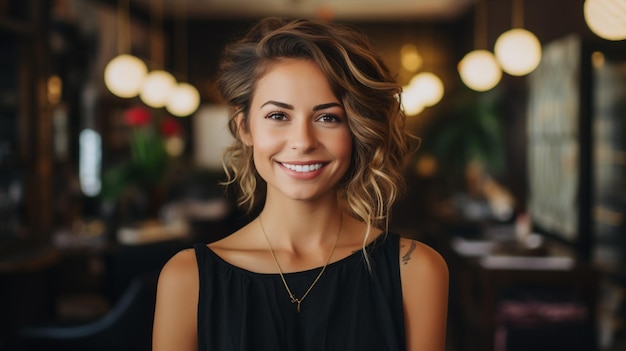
x=303 y=168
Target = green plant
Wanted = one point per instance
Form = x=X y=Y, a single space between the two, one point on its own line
x=471 y=132
x=146 y=168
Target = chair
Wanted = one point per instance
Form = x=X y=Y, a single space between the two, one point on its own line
x=127 y=326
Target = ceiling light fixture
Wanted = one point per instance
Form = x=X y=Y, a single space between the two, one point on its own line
x=479 y=69
x=157 y=87
x=184 y=98
x=518 y=50
x=425 y=89
x=606 y=18
x=124 y=74
x=159 y=83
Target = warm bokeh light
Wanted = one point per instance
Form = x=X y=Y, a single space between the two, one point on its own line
x=597 y=59
x=183 y=100
x=429 y=86
x=55 y=89
x=174 y=146
x=410 y=58
x=518 y=51
x=479 y=70
x=412 y=103
x=124 y=75
x=157 y=88
x=425 y=89
x=426 y=165
x=606 y=18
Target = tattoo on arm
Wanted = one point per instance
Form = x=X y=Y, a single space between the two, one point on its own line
x=407 y=256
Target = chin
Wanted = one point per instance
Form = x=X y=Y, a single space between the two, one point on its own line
x=300 y=195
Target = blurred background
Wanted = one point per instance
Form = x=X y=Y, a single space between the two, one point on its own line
x=111 y=134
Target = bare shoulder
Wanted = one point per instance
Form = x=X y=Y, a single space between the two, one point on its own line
x=421 y=259
x=424 y=275
x=175 y=318
x=182 y=268
x=178 y=280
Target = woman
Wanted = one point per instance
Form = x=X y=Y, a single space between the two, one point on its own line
x=320 y=144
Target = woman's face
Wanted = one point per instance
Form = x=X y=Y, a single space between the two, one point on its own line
x=298 y=130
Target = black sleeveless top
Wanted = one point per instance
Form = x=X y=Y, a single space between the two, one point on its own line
x=350 y=308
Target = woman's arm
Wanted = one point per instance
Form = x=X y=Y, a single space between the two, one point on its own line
x=424 y=276
x=175 y=315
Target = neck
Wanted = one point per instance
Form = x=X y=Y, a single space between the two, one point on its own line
x=290 y=230
x=302 y=221
x=294 y=299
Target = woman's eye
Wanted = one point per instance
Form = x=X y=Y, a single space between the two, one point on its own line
x=329 y=118
x=277 y=116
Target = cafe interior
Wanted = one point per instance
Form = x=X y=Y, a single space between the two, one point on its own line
x=111 y=136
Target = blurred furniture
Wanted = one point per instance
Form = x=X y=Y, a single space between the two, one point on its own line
x=209 y=208
x=124 y=263
x=107 y=269
x=504 y=293
x=127 y=326
x=90 y=279
x=25 y=281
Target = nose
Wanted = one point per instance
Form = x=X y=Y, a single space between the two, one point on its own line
x=303 y=137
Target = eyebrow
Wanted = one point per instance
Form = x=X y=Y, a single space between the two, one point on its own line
x=290 y=107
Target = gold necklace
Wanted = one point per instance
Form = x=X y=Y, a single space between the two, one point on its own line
x=280 y=271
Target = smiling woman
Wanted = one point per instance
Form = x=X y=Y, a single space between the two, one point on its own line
x=296 y=123
x=320 y=142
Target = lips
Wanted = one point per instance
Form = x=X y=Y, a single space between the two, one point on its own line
x=303 y=168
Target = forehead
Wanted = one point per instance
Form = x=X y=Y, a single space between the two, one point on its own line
x=292 y=75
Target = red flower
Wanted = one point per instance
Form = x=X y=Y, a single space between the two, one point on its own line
x=169 y=127
x=137 y=116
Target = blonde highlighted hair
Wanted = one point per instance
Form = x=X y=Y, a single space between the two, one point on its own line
x=359 y=79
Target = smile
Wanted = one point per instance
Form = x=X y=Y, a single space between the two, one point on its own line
x=303 y=168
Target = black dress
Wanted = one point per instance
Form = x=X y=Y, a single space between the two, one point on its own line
x=350 y=308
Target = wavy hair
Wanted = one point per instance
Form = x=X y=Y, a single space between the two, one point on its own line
x=359 y=79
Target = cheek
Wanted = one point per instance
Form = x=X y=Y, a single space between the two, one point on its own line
x=264 y=146
x=263 y=139
x=343 y=147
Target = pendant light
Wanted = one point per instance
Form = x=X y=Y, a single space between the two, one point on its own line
x=159 y=83
x=606 y=18
x=184 y=98
x=425 y=89
x=518 y=50
x=479 y=69
x=157 y=87
x=124 y=74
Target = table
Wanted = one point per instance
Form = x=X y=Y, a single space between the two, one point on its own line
x=483 y=275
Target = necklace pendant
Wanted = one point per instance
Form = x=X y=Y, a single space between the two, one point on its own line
x=297 y=302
